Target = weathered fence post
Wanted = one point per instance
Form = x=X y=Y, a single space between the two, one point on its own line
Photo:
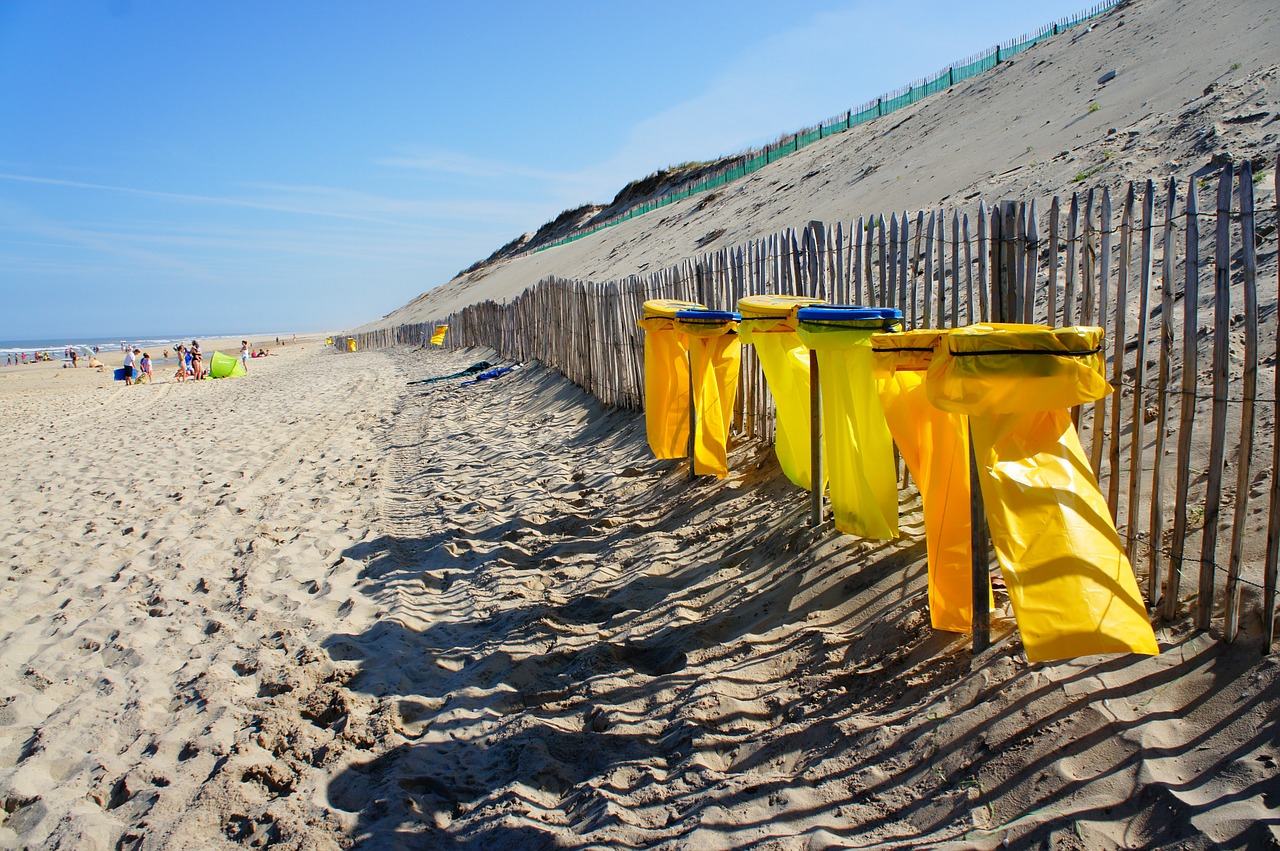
x=1117 y=360
x=1249 y=268
x=1051 y=311
x=928 y=271
x=1218 y=426
x=981 y=563
x=984 y=279
x=1032 y=267
x=1139 y=378
x=1273 y=518
x=1186 y=420
x=1155 y=564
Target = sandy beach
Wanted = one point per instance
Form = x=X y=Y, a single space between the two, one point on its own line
x=324 y=607
x=319 y=607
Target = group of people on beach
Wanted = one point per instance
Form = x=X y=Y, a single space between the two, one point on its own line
x=190 y=361
x=138 y=367
x=137 y=370
x=22 y=357
x=43 y=356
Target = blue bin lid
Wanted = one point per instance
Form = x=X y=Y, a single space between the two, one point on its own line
x=708 y=315
x=846 y=313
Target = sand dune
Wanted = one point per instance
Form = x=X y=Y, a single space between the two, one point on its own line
x=1195 y=81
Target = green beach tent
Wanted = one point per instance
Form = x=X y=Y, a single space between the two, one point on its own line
x=223 y=366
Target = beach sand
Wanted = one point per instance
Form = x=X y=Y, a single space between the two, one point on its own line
x=319 y=607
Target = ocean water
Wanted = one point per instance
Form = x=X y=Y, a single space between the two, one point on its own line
x=56 y=346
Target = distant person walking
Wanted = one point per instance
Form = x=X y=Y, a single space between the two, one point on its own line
x=244 y=355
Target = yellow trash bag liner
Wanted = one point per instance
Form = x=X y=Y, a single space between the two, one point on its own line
x=935 y=446
x=769 y=324
x=859 y=448
x=715 y=354
x=1072 y=588
x=666 y=378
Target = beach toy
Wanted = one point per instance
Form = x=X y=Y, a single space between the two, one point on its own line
x=859 y=448
x=935 y=446
x=1072 y=588
x=715 y=354
x=769 y=323
x=666 y=379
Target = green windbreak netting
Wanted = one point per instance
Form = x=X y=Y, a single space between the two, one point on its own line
x=866 y=114
x=933 y=86
x=881 y=106
x=897 y=101
x=975 y=66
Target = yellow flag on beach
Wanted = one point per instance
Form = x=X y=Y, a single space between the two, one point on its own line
x=437 y=339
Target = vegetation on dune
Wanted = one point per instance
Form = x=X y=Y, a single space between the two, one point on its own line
x=633 y=194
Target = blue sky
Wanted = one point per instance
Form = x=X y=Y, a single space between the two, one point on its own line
x=174 y=167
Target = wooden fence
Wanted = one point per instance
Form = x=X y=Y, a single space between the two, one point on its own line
x=1013 y=262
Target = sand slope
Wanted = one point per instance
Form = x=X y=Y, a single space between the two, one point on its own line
x=1194 y=80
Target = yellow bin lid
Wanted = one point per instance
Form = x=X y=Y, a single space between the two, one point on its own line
x=910 y=351
x=667 y=308
x=772 y=306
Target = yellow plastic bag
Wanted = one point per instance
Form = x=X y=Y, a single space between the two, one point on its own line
x=1072 y=588
x=935 y=446
x=666 y=379
x=714 y=357
x=769 y=324
x=859 y=448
